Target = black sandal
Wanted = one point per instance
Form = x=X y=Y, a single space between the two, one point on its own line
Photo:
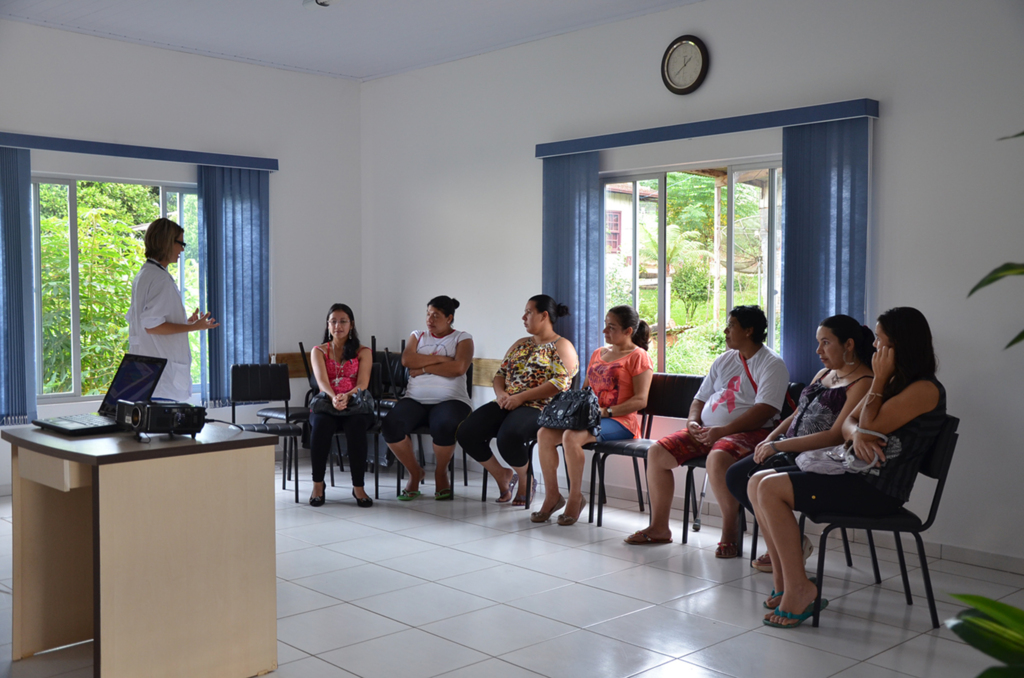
x=317 y=502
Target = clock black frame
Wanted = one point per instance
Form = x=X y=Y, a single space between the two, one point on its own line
x=705 y=62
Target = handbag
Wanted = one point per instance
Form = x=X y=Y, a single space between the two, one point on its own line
x=573 y=410
x=833 y=461
x=360 y=402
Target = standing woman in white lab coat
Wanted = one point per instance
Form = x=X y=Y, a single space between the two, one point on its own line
x=157 y=324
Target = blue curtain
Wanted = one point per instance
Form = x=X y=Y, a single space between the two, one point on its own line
x=825 y=224
x=17 y=321
x=234 y=250
x=573 y=242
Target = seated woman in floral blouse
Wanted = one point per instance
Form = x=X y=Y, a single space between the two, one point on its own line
x=535 y=368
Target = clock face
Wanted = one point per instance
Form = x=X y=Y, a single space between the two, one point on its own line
x=684 y=65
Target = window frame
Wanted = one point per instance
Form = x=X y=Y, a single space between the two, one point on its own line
x=772 y=163
x=71 y=181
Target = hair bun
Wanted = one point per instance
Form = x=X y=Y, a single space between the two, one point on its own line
x=561 y=310
x=455 y=302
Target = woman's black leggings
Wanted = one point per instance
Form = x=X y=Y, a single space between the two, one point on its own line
x=408 y=415
x=323 y=428
x=736 y=480
x=512 y=428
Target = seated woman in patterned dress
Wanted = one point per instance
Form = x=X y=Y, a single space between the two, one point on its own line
x=535 y=368
x=845 y=348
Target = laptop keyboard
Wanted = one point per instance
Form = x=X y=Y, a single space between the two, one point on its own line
x=89 y=419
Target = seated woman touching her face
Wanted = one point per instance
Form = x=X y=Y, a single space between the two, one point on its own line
x=845 y=348
x=888 y=432
x=436 y=396
x=620 y=376
x=535 y=368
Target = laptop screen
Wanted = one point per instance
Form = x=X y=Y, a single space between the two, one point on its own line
x=135 y=380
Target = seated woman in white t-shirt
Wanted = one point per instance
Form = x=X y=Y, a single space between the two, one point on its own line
x=436 y=396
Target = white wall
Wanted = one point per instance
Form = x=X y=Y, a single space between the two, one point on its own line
x=57 y=83
x=452 y=193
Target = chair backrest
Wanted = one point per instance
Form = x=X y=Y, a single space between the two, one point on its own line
x=670 y=396
x=937 y=460
x=793 y=392
x=398 y=375
x=256 y=383
x=309 y=368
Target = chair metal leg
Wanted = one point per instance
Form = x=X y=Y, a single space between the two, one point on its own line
x=593 y=485
x=846 y=547
x=465 y=469
x=423 y=456
x=903 y=568
x=648 y=488
x=600 y=480
x=286 y=468
x=376 y=466
x=874 y=557
x=697 y=509
x=639 y=487
x=295 y=463
x=483 y=493
x=821 y=571
x=753 y=541
x=451 y=474
x=528 y=490
x=330 y=465
x=927 y=579
x=687 y=496
x=742 y=520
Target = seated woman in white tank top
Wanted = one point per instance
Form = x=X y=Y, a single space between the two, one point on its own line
x=436 y=396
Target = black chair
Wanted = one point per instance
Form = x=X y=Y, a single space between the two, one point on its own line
x=670 y=396
x=253 y=383
x=934 y=465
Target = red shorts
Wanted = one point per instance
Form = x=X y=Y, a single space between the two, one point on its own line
x=684 y=447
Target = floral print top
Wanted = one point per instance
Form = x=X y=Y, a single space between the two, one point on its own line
x=528 y=365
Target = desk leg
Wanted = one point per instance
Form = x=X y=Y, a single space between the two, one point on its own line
x=53 y=575
x=186 y=566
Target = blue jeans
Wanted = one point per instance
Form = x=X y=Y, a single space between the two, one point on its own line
x=613 y=430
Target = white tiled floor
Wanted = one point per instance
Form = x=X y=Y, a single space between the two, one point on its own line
x=463 y=589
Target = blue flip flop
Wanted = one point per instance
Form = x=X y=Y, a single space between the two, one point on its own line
x=799 y=618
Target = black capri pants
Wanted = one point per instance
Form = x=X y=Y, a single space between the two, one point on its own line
x=512 y=429
x=323 y=427
x=408 y=415
x=736 y=480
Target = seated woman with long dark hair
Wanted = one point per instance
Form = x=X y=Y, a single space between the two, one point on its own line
x=889 y=432
x=535 y=368
x=620 y=375
x=341 y=366
x=436 y=396
x=845 y=348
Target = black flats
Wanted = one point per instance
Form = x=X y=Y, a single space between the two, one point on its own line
x=361 y=502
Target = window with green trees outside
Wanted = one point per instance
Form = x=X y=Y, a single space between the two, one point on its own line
x=88 y=248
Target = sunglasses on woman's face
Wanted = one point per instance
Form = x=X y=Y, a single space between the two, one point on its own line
x=181 y=242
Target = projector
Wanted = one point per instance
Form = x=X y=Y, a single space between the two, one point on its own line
x=148 y=416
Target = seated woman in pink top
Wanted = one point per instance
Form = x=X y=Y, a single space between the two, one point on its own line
x=620 y=375
x=341 y=366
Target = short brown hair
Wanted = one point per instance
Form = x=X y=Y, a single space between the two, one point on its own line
x=160 y=237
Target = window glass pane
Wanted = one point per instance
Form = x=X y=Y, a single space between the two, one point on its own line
x=777 y=283
x=695 y=250
x=647 y=261
x=618 y=253
x=55 y=288
x=112 y=219
x=189 y=220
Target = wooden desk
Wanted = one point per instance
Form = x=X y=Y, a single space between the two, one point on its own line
x=162 y=552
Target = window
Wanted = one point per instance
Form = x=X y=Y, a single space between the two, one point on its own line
x=706 y=240
x=613 y=232
x=88 y=247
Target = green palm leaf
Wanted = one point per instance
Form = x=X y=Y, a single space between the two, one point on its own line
x=999 y=273
x=1007 y=615
x=1012 y=136
x=1003 y=672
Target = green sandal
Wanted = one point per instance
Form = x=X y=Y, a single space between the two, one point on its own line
x=798 y=618
x=409 y=496
x=444 y=495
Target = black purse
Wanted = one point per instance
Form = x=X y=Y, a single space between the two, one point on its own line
x=360 y=402
x=573 y=410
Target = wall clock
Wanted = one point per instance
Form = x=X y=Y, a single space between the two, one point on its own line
x=685 y=64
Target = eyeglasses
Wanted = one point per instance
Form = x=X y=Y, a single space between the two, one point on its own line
x=181 y=242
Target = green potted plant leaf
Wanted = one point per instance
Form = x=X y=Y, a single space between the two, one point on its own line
x=995 y=628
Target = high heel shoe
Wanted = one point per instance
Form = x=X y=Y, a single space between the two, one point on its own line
x=545 y=516
x=571 y=520
x=319 y=501
x=362 y=502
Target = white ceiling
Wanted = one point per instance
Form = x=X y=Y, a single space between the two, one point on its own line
x=360 y=39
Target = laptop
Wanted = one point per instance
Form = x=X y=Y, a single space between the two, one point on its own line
x=135 y=380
